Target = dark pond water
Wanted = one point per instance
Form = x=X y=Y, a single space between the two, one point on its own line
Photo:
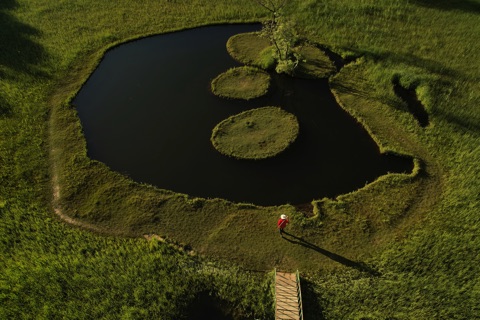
x=147 y=111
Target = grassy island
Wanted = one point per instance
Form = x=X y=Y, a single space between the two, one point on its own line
x=256 y=134
x=254 y=49
x=241 y=83
x=251 y=49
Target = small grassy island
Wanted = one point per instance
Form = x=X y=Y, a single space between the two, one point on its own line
x=256 y=134
x=241 y=83
x=252 y=49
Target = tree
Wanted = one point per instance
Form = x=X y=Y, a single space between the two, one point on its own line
x=281 y=33
x=274 y=6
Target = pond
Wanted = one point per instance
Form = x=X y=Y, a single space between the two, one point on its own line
x=147 y=111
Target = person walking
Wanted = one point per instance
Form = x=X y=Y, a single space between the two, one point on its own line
x=282 y=223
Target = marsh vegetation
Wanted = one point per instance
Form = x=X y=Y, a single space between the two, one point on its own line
x=404 y=246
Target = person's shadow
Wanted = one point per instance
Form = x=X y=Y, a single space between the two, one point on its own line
x=335 y=257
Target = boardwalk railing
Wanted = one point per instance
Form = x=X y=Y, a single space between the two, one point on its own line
x=300 y=304
x=288 y=296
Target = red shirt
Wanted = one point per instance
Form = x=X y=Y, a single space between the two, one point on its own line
x=282 y=223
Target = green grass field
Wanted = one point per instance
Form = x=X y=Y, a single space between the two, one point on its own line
x=404 y=247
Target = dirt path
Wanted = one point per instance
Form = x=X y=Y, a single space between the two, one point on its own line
x=58 y=210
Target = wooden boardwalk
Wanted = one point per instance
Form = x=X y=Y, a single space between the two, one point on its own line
x=288 y=296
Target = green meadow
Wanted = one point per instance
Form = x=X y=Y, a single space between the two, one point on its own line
x=79 y=241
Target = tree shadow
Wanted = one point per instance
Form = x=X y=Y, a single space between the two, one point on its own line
x=207 y=304
x=360 y=266
x=19 y=51
x=414 y=105
x=408 y=59
x=462 y=5
x=312 y=308
x=348 y=88
x=404 y=58
x=466 y=124
x=8 y=4
x=5 y=108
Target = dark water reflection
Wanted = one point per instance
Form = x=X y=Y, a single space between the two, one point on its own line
x=147 y=111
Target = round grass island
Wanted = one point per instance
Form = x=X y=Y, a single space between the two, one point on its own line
x=241 y=83
x=256 y=134
x=252 y=49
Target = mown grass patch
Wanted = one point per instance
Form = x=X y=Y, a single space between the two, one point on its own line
x=241 y=83
x=256 y=134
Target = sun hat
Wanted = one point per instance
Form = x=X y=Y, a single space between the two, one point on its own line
x=283 y=216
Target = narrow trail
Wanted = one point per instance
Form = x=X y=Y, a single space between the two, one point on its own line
x=58 y=210
x=56 y=189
